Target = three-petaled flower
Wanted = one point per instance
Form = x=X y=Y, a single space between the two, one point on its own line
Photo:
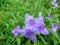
x=54 y=27
x=54 y=3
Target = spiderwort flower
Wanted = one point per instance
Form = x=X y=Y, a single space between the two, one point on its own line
x=16 y=31
x=49 y=16
x=30 y=22
x=54 y=3
x=54 y=27
x=28 y=32
x=29 y=19
x=42 y=29
x=40 y=25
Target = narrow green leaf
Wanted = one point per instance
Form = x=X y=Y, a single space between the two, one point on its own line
x=38 y=7
x=18 y=41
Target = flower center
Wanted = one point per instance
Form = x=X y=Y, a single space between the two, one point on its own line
x=31 y=21
x=54 y=2
x=54 y=25
x=29 y=33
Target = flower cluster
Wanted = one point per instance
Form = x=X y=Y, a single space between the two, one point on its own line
x=33 y=26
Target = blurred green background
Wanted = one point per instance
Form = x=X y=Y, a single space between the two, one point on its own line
x=12 y=13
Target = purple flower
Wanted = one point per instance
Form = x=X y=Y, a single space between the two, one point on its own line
x=28 y=32
x=31 y=35
x=49 y=16
x=16 y=31
x=32 y=23
x=54 y=27
x=40 y=26
x=54 y=3
x=29 y=19
x=42 y=29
